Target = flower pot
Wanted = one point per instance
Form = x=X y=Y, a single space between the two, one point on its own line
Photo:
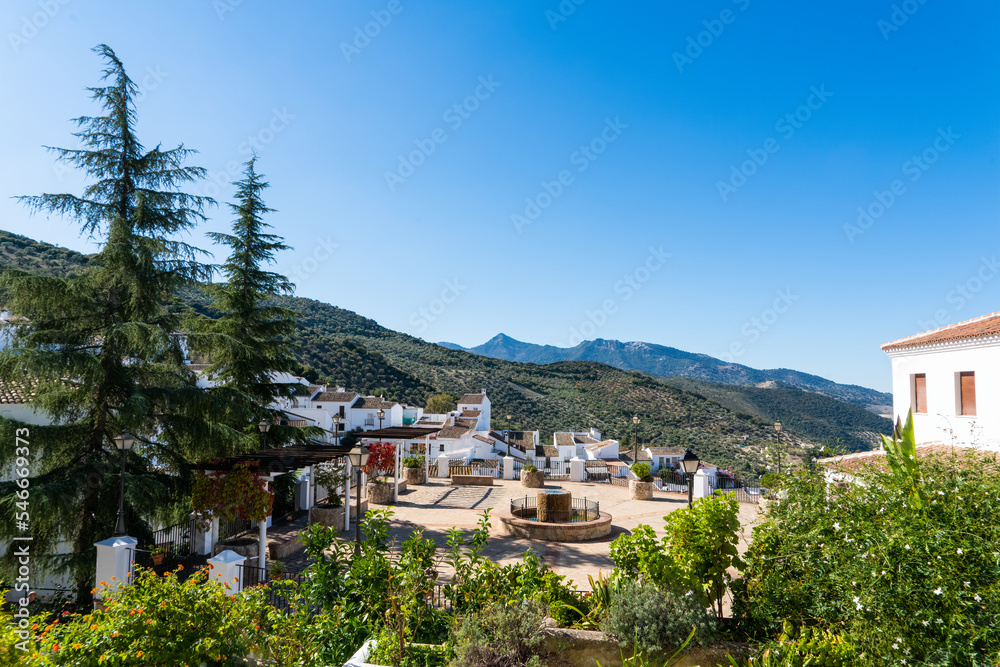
x=158 y=559
x=379 y=494
x=639 y=490
x=415 y=475
x=532 y=480
x=244 y=546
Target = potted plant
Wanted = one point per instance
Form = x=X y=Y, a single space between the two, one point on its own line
x=158 y=554
x=641 y=488
x=381 y=461
x=413 y=469
x=531 y=476
x=277 y=570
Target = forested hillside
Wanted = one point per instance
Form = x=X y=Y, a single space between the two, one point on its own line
x=342 y=347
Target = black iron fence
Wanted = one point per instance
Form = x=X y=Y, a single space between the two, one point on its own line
x=581 y=510
x=486 y=469
x=233 y=528
x=279 y=594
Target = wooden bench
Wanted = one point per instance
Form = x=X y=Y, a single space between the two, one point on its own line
x=471 y=480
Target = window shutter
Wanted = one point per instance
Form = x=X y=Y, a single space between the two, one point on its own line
x=968 y=389
x=920 y=393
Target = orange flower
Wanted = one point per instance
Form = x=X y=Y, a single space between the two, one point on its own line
x=256 y=627
x=76 y=645
x=180 y=567
x=139 y=654
x=114 y=634
x=163 y=604
x=94 y=626
x=34 y=626
x=104 y=583
x=93 y=591
x=55 y=647
x=236 y=578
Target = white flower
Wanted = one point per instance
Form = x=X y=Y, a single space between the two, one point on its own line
x=966 y=583
x=926 y=623
x=958 y=551
x=938 y=621
x=938 y=591
x=907 y=547
x=836 y=525
x=977 y=598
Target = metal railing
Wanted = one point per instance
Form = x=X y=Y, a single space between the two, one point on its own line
x=554 y=469
x=581 y=510
x=278 y=596
x=483 y=469
x=233 y=527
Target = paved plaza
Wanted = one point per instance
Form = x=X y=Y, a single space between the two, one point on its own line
x=438 y=506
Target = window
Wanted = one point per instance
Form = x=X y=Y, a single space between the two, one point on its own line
x=967 y=393
x=340 y=426
x=919 y=401
x=342 y=415
x=441 y=448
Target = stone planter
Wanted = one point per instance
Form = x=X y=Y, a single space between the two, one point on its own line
x=244 y=546
x=532 y=480
x=325 y=515
x=639 y=490
x=415 y=475
x=379 y=494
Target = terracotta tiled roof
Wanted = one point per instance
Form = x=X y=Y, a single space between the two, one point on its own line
x=979 y=327
x=371 y=403
x=565 y=440
x=483 y=438
x=471 y=413
x=459 y=430
x=15 y=392
x=597 y=446
x=875 y=460
x=472 y=399
x=667 y=451
x=551 y=451
x=336 y=397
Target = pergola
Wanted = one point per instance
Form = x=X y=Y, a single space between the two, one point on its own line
x=273 y=462
x=399 y=435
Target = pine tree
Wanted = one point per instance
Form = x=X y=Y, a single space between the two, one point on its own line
x=249 y=342
x=101 y=349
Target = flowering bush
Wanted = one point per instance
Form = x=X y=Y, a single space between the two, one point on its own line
x=155 y=621
x=238 y=493
x=905 y=564
x=381 y=461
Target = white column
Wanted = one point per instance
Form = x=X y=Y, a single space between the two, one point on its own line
x=347 y=496
x=576 y=469
x=225 y=568
x=702 y=486
x=508 y=467
x=395 y=479
x=443 y=466
x=427 y=459
x=114 y=563
x=202 y=540
x=262 y=540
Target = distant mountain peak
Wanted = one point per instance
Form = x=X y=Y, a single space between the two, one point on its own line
x=664 y=361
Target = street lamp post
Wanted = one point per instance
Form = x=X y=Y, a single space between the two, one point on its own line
x=381 y=415
x=509 y=417
x=336 y=429
x=264 y=426
x=123 y=443
x=359 y=459
x=777 y=429
x=689 y=464
x=635 y=441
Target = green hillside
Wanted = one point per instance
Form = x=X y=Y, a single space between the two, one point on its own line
x=340 y=346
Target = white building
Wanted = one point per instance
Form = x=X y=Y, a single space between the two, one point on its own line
x=568 y=445
x=950 y=377
x=662 y=457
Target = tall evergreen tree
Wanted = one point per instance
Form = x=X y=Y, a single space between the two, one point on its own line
x=101 y=349
x=249 y=342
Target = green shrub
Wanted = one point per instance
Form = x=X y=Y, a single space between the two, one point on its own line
x=501 y=634
x=651 y=619
x=413 y=462
x=642 y=470
x=564 y=605
x=898 y=579
x=416 y=656
x=810 y=646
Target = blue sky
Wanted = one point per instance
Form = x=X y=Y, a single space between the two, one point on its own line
x=588 y=183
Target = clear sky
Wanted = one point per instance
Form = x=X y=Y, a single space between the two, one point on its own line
x=688 y=174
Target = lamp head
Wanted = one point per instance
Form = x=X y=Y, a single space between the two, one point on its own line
x=335 y=419
x=509 y=417
x=380 y=413
x=124 y=441
x=777 y=426
x=264 y=426
x=359 y=456
x=635 y=419
x=690 y=462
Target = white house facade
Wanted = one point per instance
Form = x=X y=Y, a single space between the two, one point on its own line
x=950 y=378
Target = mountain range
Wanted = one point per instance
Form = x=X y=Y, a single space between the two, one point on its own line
x=669 y=362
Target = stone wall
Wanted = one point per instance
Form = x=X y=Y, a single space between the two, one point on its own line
x=584 y=648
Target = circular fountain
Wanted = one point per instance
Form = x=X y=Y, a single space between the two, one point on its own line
x=555 y=516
